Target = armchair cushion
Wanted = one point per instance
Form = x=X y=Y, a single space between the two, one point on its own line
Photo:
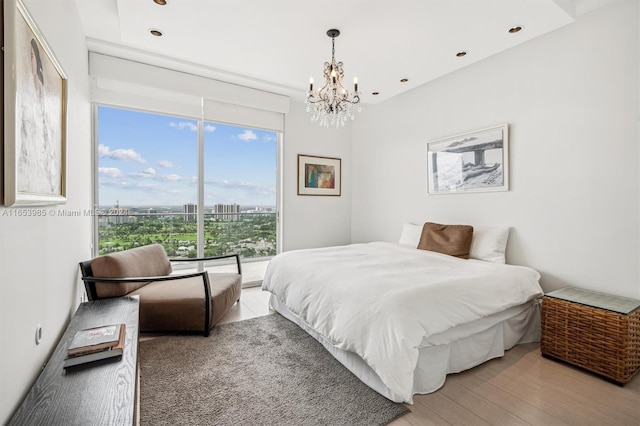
x=177 y=305
x=144 y=261
x=225 y=291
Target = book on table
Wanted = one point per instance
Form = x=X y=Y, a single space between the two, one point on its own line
x=104 y=352
x=94 y=339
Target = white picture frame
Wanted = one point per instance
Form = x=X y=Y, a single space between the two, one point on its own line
x=319 y=175
x=476 y=161
x=35 y=114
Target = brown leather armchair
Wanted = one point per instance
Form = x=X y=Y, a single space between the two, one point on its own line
x=168 y=302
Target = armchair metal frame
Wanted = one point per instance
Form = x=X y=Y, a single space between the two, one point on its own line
x=90 y=280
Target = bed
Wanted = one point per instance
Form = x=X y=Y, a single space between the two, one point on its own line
x=401 y=318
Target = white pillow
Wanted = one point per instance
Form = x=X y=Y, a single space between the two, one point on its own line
x=410 y=234
x=489 y=243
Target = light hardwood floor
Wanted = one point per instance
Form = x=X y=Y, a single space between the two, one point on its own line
x=521 y=388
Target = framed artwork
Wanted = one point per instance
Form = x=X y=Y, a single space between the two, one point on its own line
x=477 y=161
x=319 y=175
x=35 y=114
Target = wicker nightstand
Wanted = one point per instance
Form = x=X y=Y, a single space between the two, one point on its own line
x=595 y=331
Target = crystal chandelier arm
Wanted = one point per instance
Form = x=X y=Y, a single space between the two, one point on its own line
x=332 y=103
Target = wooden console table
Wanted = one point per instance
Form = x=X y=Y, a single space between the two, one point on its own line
x=101 y=393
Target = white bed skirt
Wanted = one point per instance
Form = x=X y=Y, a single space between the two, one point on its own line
x=455 y=350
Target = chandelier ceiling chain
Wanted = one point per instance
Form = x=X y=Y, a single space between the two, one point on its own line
x=333 y=104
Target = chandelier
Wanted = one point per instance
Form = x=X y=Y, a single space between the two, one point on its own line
x=333 y=104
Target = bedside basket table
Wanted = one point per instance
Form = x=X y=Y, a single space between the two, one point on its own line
x=596 y=331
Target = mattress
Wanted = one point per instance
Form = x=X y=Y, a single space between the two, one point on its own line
x=403 y=318
x=461 y=348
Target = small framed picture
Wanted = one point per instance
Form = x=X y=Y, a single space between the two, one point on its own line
x=477 y=161
x=318 y=175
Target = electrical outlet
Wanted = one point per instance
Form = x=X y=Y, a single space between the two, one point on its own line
x=38 y=334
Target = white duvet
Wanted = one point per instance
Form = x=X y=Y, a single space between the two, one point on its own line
x=384 y=300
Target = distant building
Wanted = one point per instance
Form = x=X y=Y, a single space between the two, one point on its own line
x=228 y=212
x=261 y=210
x=190 y=211
x=119 y=215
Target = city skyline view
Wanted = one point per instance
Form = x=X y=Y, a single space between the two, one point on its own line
x=104 y=208
x=149 y=159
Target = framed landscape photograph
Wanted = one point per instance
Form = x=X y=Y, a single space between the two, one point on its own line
x=35 y=114
x=477 y=161
x=318 y=175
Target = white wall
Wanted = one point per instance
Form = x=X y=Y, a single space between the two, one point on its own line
x=39 y=256
x=571 y=100
x=314 y=221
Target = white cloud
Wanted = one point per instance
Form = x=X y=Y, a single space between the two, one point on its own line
x=189 y=125
x=120 y=154
x=150 y=173
x=166 y=164
x=170 y=178
x=112 y=172
x=123 y=184
x=247 y=135
x=250 y=187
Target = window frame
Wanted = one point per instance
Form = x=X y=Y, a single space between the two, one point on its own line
x=200 y=160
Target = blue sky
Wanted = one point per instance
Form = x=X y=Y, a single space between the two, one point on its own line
x=152 y=159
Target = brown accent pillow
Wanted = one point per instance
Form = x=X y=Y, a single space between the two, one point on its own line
x=147 y=261
x=454 y=240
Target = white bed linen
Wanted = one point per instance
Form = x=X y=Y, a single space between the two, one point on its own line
x=384 y=301
x=468 y=345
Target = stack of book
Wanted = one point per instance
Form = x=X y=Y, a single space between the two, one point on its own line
x=95 y=344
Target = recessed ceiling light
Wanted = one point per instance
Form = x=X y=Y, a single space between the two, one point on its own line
x=515 y=30
x=461 y=54
x=375 y=93
x=156 y=33
x=160 y=2
x=404 y=80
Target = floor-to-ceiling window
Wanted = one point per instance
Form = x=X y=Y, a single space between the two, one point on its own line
x=153 y=179
x=239 y=190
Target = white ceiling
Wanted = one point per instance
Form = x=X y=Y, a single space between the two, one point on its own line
x=277 y=45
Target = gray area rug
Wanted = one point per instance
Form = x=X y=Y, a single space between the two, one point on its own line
x=261 y=371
